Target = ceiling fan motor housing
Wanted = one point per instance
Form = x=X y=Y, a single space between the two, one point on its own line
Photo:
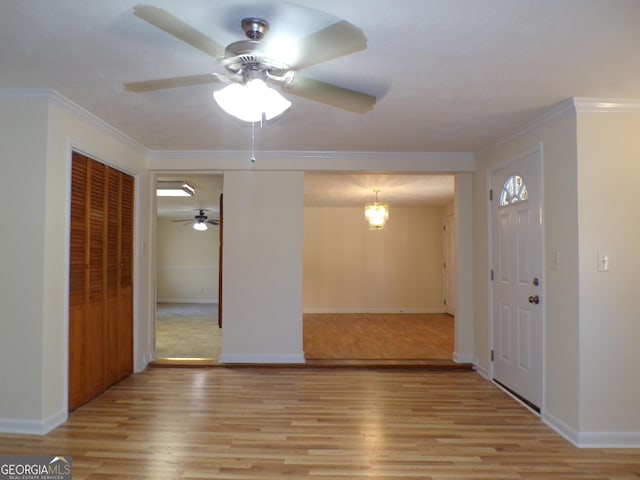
x=254 y=28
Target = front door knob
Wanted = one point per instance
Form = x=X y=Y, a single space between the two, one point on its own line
x=534 y=299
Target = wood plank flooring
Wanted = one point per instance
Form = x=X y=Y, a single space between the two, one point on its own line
x=378 y=336
x=315 y=423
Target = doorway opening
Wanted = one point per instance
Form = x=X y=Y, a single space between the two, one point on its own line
x=187 y=270
x=377 y=295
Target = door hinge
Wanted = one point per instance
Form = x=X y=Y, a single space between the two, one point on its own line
x=492 y=355
x=444 y=228
x=491 y=195
x=492 y=274
x=445 y=302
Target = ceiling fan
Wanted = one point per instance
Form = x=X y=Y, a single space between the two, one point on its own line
x=200 y=221
x=258 y=58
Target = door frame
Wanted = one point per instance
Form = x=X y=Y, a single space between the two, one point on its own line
x=539 y=150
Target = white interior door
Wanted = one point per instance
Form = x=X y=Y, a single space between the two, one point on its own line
x=517 y=277
x=450 y=268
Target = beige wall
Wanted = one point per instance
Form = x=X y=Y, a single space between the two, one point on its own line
x=262 y=267
x=187 y=263
x=348 y=267
x=557 y=140
x=37 y=132
x=590 y=170
x=609 y=223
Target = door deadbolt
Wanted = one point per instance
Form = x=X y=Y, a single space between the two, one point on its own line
x=535 y=281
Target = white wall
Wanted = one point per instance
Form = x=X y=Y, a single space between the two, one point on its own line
x=37 y=131
x=349 y=268
x=187 y=262
x=262 y=267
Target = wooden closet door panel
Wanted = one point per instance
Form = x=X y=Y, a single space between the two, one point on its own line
x=125 y=284
x=112 y=310
x=95 y=319
x=78 y=281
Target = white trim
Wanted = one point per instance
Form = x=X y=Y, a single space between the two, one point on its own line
x=189 y=267
x=606 y=105
x=560 y=427
x=465 y=358
x=562 y=108
x=407 y=162
x=374 y=310
x=262 y=358
x=609 y=440
x=575 y=105
x=24 y=95
x=187 y=300
x=483 y=372
x=33 y=427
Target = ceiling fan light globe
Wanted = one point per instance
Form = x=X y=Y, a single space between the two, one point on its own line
x=249 y=102
x=200 y=226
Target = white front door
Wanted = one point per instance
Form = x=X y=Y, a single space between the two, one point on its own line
x=517 y=277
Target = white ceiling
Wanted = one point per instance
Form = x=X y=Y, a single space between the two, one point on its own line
x=450 y=75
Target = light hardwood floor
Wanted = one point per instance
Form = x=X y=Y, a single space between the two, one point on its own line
x=315 y=423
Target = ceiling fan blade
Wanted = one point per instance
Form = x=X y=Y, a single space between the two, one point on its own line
x=213 y=222
x=174 y=82
x=333 y=95
x=176 y=27
x=335 y=41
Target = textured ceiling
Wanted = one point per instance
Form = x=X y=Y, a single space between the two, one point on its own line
x=450 y=75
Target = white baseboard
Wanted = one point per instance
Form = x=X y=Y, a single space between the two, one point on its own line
x=187 y=300
x=482 y=370
x=464 y=358
x=374 y=310
x=33 y=427
x=592 y=439
x=609 y=439
x=261 y=358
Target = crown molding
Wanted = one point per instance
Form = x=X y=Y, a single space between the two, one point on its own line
x=572 y=105
x=28 y=95
x=89 y=118
x=315 y=160
x=606 y=105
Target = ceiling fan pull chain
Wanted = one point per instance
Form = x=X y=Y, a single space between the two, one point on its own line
x=253 y=143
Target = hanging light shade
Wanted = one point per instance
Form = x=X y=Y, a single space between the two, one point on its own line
x=200 y=226
x=251 y=100
x=376 y=214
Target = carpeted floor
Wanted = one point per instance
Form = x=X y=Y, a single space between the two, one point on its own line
x=187 y=330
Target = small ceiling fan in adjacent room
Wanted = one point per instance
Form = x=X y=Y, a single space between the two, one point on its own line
x=256 y=69
x=200 y=221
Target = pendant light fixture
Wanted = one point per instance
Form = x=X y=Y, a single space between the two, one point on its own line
x=376 y=214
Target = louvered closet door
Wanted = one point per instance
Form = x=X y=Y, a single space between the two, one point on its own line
x=125 y=281
x=95 y=318
x=78 y=281
x=112 y=308
x=101 y=280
